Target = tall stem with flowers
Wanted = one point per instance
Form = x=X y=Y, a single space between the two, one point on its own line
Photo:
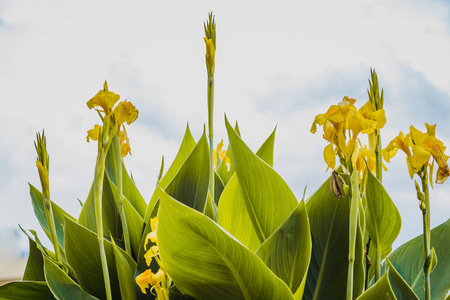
x=112 y=118
x=342 y=124
x=420 y=148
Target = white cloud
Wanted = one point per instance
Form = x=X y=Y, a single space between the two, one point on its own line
x=58 y=54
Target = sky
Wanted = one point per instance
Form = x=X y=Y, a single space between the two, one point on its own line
x=278 y=64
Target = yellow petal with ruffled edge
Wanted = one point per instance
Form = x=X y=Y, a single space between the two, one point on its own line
x=144 y=279
x=105 y=99
x=420 y=156
x=94 y=133
x=125 y=112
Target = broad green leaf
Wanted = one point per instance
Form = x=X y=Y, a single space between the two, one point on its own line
x=265 y=152
x=399 y=286
x=380 y=290
x=382 y=217
x=34 y=271
x=205 y=262
x=25 y=290
x=134 y=220
x=218 y=187
x=190 y=185
x=288 y=250
x=186 y=147
x=110 y=215
x=61 y=285
x=83 y=255
x=329 y=222
x=408 y=260
x=130 y=190
x=125 y=272
x=211 y=209
x=58 y=215
x=259 y=201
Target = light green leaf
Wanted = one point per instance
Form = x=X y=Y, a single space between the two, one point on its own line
x=61 y=285
x=380 y=290
x=288 y=250
x=399 y=286
x=265 y=152
x=259 y=200
x=382 y=217
x=408 y=261
x=125 y=272
x=211 y=209
x=58 y=215
x=25 y=290
x=34 y=271
x=190 y=185
x=110 y=215
x=205 y=262
x=329 y=222
x=83 y=255
x=130 y=190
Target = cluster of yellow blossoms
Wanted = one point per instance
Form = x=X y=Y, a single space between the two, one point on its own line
x=113 y=118
x=344 y=121
x=419 y=147
x=157 y=281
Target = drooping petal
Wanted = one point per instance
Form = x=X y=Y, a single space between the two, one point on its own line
x=330 y=156
x=144 y=279
x=94 y=133
x=125 y=112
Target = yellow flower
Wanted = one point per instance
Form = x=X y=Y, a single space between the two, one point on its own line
x=105 y=99
x=144 y=279
x=152 y=252
x=419 y=148
x=94 y=133
x=125 y=112
x=221 y=154
x=210 y=55
x=152 y=235
x=124 y=143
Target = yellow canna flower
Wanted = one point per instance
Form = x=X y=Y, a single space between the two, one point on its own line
x=152 y=235
x=124 y=143
x=419 y=148
x=144 y=279
x=104 y=99
x=125 y=112
x=222 y=155
x=94 y=133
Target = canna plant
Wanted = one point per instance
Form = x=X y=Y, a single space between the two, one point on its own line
x=223 y=224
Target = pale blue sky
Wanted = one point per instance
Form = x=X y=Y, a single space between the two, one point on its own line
x=277 y=64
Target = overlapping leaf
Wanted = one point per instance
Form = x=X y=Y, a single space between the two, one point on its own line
x=205 y=262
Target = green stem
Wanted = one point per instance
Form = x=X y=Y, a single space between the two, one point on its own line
x=210 y=134
x=119 y=203
x=426 y=229
x=98 y=190
x=353 y=226
x=51 y=225
x=379 y=162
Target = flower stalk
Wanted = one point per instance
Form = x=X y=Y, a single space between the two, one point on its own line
x=42 y=164
x=210 y=41
x=353 y=227
x=425 y=208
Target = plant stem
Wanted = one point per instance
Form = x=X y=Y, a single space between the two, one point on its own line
x=119 y=203
x=353 y=227
x=210 y=134
x=379 y=162
x=51 y=225
x=98 y=191
x=426 y=229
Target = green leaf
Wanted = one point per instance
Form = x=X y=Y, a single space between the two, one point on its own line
x=25 y=290
x=218 y=188
x=130 y=190
x=190 y=185
x=288 y=250
x=329 y=222
x=205 y=262
x=83 y=255
x=399 y=286
x=110 y=215
x=34 y=271
x=382 y=217
x=408 y=260
x=259 y=200
x=125 y=272
x=265 y=152
x=430 y=262
x=134 y=219
x=380 y=290
x=61 y=285
x=211 y=209
x=58 y=214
